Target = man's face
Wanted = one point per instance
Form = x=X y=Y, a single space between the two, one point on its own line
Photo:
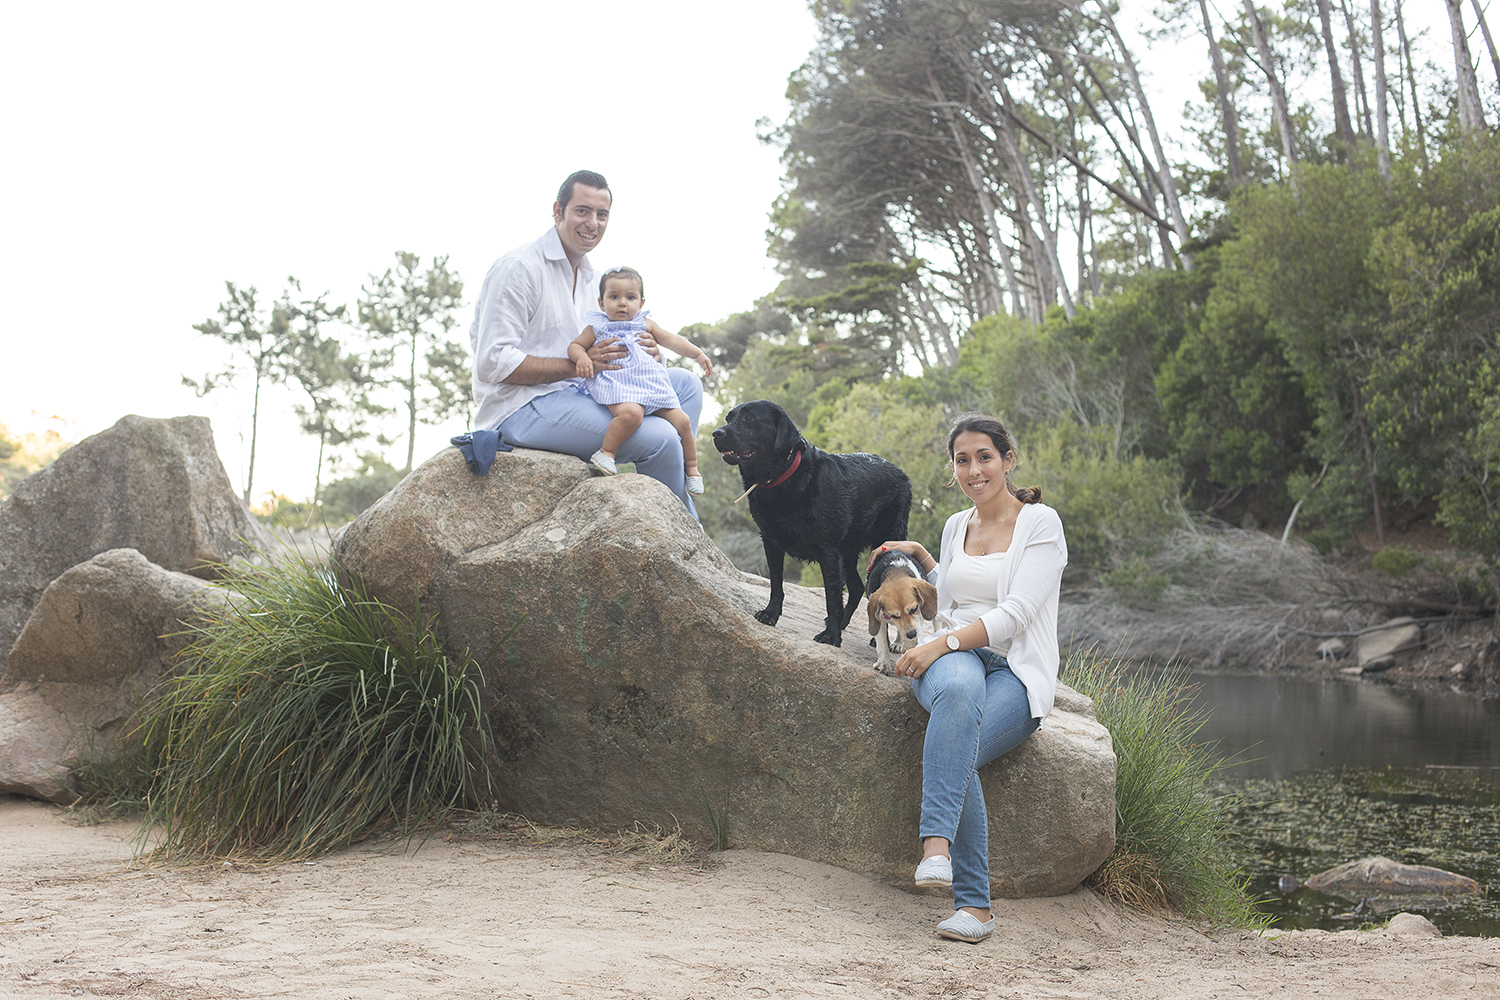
x=580 y=223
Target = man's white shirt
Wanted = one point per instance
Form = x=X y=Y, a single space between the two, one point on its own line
x=528 y=305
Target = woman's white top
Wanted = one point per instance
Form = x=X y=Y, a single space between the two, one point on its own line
x=1015 y=594
x=973 y=582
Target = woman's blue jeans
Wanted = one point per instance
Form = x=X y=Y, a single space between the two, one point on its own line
x=978 y=712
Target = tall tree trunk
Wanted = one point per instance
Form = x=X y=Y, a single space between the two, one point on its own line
x=937 y=330
x=1226 y=101
x=254 y=428
x=1358 y=65
x=1364 y=436
x=1470 y=111
x=1278 y=95
x=1488 y=40
x=971 y=168
x=1341 y=123
x=1411 y=78
x=1085 y=209
x=1163 y=167
x=1382 y=126
x=1022 y=172
x=411 y=402
x=1147 y=205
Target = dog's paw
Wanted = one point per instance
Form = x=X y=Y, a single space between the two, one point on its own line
x=767 y=617
x=884 y=667
x=830 y=636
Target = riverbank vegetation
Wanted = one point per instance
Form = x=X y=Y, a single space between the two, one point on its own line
x=1172 y=829
x=1291 y=330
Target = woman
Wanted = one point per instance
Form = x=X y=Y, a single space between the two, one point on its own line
x=989 y=675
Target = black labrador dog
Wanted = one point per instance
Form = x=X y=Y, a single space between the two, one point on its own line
x=816 y=506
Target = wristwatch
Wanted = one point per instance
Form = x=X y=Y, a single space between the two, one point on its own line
x=953 y=641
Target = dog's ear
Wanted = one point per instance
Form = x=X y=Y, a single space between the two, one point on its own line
x=873 y=607
x=928 y=593
x=788 y=437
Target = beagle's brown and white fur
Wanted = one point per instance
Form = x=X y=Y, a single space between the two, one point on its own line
x=899 y=597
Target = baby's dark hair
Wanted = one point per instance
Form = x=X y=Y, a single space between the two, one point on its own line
x=623 y=272
x=585 y=177
x=1000 y=438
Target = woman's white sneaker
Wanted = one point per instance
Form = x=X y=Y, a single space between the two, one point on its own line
x=964 y=926
x=936 y=870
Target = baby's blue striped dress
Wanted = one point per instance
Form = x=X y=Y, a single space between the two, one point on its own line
x=640 y=378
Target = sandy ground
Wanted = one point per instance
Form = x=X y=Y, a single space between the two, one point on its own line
x=498 y=916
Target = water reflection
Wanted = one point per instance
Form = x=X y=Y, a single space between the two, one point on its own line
x=1287 y=725
x=1334 y=769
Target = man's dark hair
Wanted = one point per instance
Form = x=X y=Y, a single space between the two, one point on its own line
x=585 y=177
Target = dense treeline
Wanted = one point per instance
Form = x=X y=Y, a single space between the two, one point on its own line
x=1294 y=328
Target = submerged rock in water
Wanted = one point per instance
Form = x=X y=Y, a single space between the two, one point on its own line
x=1373 y=878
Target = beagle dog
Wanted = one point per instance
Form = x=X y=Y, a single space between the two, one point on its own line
x=899 y=596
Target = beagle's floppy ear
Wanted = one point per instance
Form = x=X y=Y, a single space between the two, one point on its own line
x=873 y=607
x=928 y=593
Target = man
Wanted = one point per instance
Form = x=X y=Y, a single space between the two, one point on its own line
x=530 y=307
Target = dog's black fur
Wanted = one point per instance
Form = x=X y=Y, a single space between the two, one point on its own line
x=829 y=511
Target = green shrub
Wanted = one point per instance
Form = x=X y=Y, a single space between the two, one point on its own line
x=281 y=511
x=310 y=715
x=1171 y=830
x=1113 y=506
x=1334 y=509
x=345 y=499
x=1134 y=582
x=1397 y=561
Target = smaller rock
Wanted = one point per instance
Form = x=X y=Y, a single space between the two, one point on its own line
x=1461 y=670
x=1395 y=640
x=1412 y=925
x=102 y=635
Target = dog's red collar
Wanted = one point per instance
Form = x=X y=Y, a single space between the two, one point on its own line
x=796 y=461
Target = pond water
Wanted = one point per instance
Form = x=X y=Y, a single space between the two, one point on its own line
x=1333 y=769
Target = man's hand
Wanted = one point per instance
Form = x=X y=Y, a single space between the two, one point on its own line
x=648 y=343
x=607 y=352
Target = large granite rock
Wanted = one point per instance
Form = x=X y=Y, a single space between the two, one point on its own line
x=637 y=685
x=156 y=486
x=102 y=635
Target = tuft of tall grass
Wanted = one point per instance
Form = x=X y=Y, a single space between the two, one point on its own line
x=1173 y=833
x=309 y=715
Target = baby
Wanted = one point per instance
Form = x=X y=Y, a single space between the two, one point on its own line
x=640 y=386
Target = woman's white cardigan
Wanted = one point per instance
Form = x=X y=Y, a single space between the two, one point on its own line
x=1026 y=598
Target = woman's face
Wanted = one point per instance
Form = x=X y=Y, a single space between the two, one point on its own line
x=978 y=467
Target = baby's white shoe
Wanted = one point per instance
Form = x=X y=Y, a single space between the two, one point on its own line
x=603 y=463
x=695 y=485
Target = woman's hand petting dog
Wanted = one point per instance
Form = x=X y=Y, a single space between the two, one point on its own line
x=915 y=661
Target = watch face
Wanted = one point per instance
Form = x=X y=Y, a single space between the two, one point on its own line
x=952 y=641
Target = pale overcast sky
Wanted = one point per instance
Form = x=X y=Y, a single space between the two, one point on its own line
x=154 y=150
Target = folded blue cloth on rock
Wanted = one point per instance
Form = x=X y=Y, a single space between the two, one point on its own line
x=479 y=448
